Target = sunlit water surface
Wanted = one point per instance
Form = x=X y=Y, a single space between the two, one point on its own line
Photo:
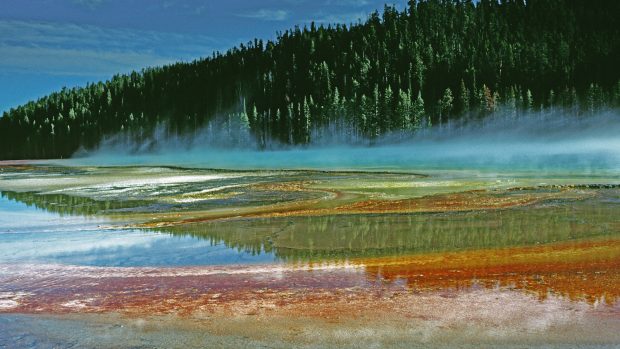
x=55 y=218
x=31 y=235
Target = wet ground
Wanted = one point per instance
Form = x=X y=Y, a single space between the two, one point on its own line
x=173 y=257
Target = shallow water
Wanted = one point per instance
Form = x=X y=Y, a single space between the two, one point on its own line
x=31 y=235
x=95 y=220
x=150 y=216
x=220 y=256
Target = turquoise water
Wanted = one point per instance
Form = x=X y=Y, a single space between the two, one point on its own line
x=484 y=157
x=540 y=142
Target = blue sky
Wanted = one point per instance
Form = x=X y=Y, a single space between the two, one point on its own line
x=48 y=44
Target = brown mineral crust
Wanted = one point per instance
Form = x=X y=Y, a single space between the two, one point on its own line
x=16 y=163
x=474 y=200
x=171 y=293
x=581 y=271
x=465 y=201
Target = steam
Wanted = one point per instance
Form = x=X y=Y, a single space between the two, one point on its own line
x=543 y=141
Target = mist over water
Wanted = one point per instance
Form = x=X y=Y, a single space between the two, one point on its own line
x=541 y=142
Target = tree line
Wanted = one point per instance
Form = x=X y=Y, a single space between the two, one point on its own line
x=434 y=62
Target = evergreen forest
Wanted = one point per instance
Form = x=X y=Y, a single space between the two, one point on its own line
x=435 y=62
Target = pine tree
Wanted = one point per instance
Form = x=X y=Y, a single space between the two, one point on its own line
x=375 y=130
x=511 y=102
x=529 y=100
x=463 y=102
x=244 y=121
x=254 y=116
x=405 y=111
x=445 y=105
x=418 y=112
x=594 y=100
x=388 y=116
x=307 y=120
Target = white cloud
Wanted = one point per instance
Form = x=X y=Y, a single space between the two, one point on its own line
x=74 y=62
x=267 y=15
x=348 y=3
x=58 y=48
x=342 y=18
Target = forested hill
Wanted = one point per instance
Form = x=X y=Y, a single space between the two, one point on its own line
x=434 y=62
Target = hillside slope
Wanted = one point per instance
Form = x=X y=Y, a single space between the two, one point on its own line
x=436 y=61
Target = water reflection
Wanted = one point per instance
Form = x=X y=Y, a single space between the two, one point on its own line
x=566 y=246
x=340 y=237
x=335 y=237
x=31 y=234
x=68 y=205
